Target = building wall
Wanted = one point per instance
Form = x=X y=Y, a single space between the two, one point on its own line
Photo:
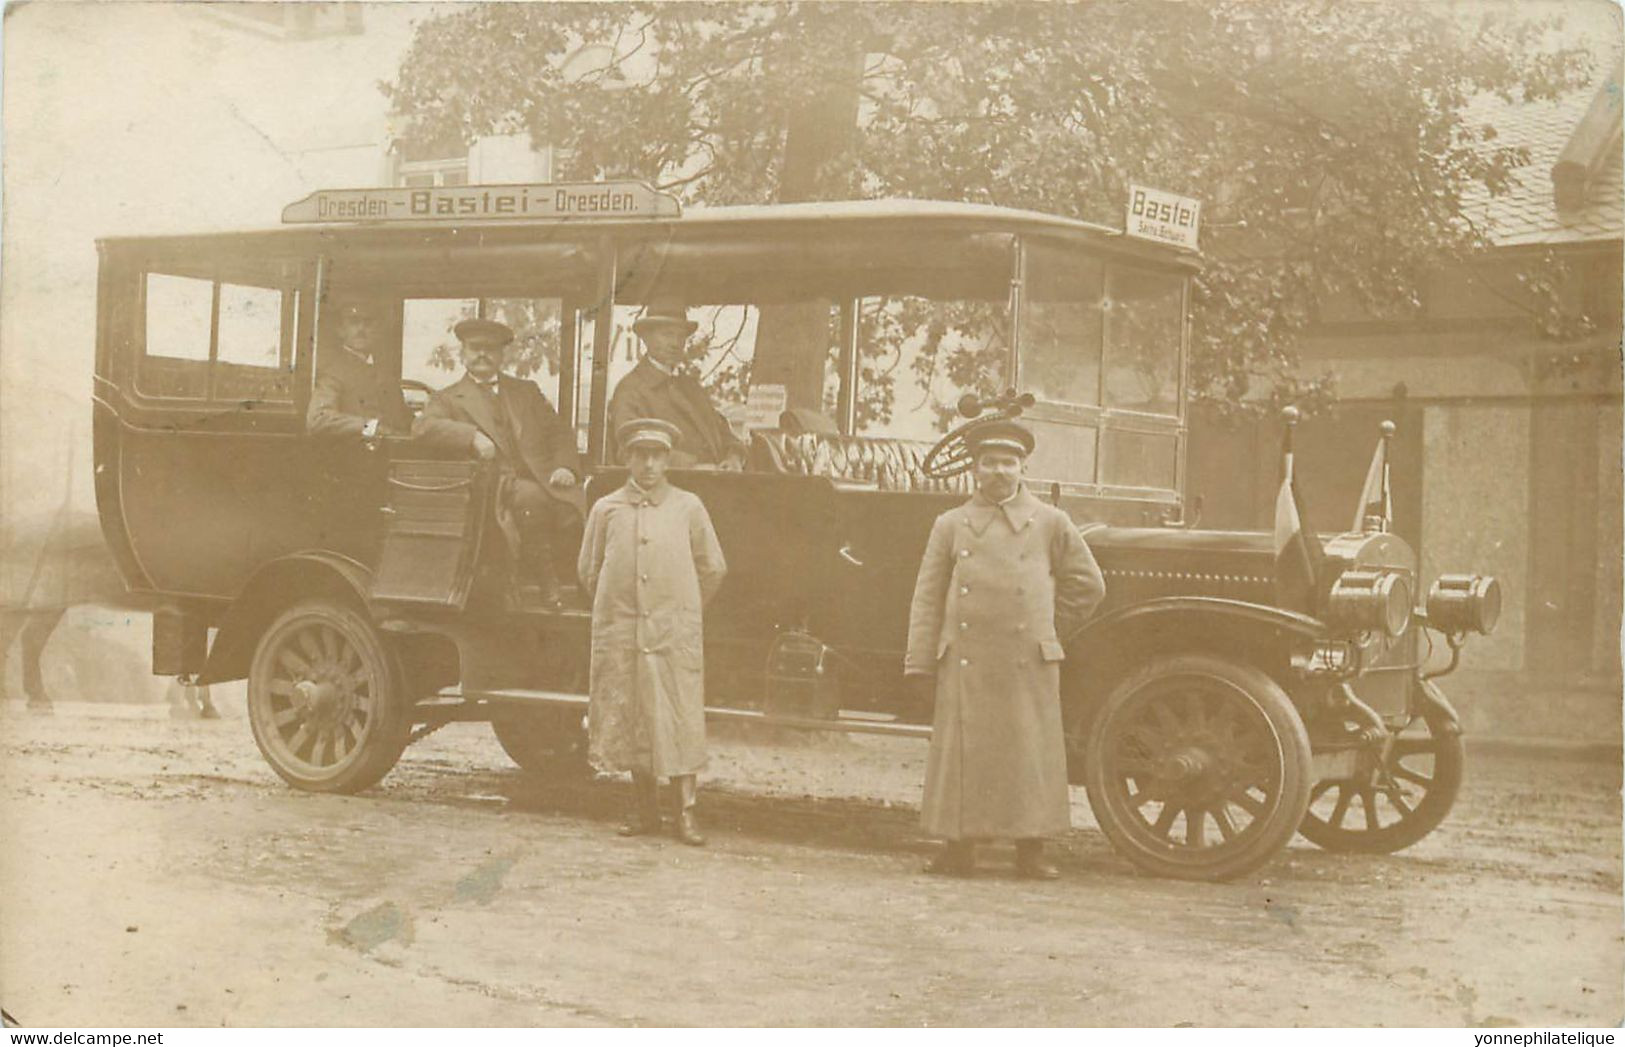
x=1476 y=512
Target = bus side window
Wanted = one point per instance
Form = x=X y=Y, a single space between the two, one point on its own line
x=254 y=345
x=225 y=342
x=175 y=363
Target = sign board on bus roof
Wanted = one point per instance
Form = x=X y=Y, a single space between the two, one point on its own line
x=547 y=201
x=1164 y=217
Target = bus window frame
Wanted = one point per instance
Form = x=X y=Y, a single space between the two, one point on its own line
x=1098 y=416
x=295 y=299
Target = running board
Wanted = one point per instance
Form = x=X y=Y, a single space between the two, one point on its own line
x=451 y=702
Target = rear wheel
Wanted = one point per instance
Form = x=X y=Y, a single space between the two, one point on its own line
x=1391 y=801
x=325 y=701
x=551 y=742
x=1198 y=768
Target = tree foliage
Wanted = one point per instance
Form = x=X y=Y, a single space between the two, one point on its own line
x=1329 y=140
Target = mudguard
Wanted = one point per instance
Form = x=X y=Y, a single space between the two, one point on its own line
x=272 y=588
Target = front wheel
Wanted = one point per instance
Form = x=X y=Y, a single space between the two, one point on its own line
x=325 y=701
x=1395 y=797
x=1198 y=768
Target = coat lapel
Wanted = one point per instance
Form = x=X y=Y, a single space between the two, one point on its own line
x=477 y=406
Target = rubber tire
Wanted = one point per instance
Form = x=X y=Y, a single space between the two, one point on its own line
x=385 y=736
x=1449 y=766
x=1292 y=743
x=551 y=743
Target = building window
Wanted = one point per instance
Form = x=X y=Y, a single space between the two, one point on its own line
x=422 y=174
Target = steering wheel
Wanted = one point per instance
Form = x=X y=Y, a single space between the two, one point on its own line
x=951 y=455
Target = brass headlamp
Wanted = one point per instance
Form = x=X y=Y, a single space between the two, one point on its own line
x=1462 y=603
x=1364 y=600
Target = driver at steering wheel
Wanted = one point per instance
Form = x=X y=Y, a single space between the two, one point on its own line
x=352 y=396
x=492 y=415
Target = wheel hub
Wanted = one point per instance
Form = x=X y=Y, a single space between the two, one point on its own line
x=322 y=700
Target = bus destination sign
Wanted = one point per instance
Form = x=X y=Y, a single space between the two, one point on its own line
x=548 y=201
x=1163 y=217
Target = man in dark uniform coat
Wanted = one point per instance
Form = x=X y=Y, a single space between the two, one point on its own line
x=352 y=397
x=1005 y=579
x=489 y=414
x=656 y=389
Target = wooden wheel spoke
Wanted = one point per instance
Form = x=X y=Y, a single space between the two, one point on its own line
x=1195 y=826
x=1221 y=818
x=1320 y=789
x=1401 y=771
x=1166 y=720
x=287 y=716
x=1195 y=714
x=281 y=688
x=300 y=737
x=1165 y=820
x=293 y=662
x=1345 y=795
x=1369 y=798
x=332 y=643
x=1398 y=800
x=310 y=645
x=1248 y=802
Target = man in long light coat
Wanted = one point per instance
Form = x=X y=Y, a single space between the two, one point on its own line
x=1005 y=579
x=649 y=563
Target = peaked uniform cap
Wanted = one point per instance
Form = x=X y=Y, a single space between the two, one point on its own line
x=1003 y=434
x=656 y=431
x=483 y=330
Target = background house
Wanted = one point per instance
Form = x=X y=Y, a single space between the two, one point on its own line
x=1507 y=459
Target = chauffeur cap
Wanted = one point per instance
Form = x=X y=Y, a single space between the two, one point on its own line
x=479 y=329
x=665 y=310
x=1003 y=434
x=655 y=431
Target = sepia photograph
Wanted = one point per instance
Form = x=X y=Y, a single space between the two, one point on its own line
x=799 y=513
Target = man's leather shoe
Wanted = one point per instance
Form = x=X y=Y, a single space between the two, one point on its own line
x=957 y=858
x=645 y=819
x=1031 y=864
x=686 y=831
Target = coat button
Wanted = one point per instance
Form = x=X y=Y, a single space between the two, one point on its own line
x=1021 y=627
x=643 y=577
x=964 y=552
x=646 y=650
x=964 y=590
x=964 y=625
x=964 y=661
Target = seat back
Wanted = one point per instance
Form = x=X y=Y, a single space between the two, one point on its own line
x=887 y=463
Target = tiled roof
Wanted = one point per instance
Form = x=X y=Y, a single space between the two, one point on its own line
x=1528 y=213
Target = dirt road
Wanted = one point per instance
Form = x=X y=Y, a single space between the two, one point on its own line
x=156 y=873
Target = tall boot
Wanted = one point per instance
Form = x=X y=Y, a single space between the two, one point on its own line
x=538 y=558
x=645 y=808
x=1030 y=861
x=684 y=829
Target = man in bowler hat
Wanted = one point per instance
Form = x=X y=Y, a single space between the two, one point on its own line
x=490 y=414
x=655 y=388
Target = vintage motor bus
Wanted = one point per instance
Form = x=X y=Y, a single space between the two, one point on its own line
x=363 y=589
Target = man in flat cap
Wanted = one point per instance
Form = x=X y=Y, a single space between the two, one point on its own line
x=489 y=414
x=352 y=397
x=655 y=388
x=649 y=563
x=1005 y=579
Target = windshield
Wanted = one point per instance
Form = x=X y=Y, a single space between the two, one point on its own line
x=1100 y=350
